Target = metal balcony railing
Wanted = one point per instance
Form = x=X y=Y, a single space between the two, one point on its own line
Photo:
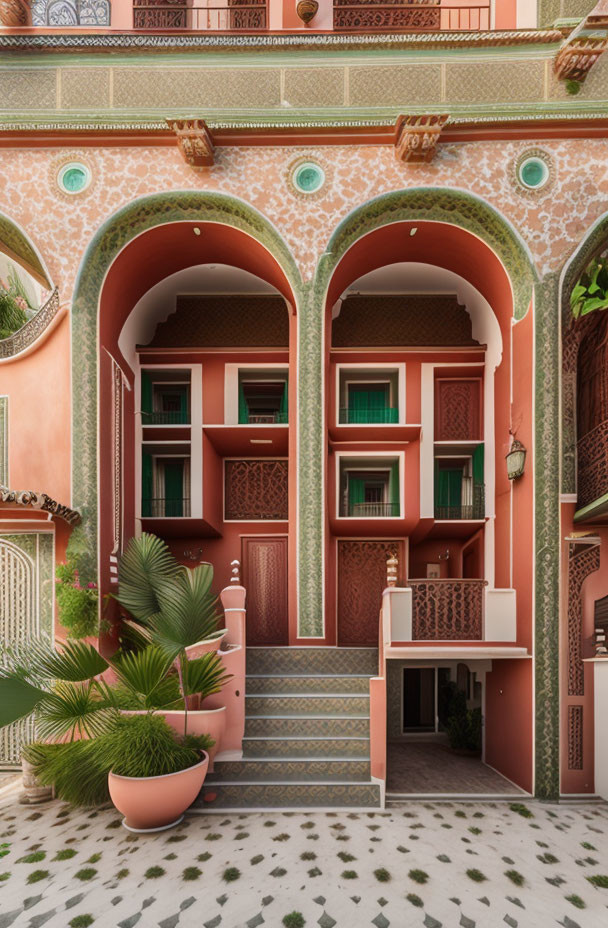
x=177 y=417
x=409 y=16
x=369 y=510
x=270 y=418
x=385 y=414
x=249 y=16
x=165 y=508
x=447 y=610
x=472 y=503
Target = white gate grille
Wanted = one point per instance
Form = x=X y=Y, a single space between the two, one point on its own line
x=19 y=619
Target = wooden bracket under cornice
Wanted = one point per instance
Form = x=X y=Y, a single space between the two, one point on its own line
x=584 y=46
x=416 y=137
x=194 y=141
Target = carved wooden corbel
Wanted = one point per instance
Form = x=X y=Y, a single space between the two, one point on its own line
x=194 y=141
x=584 y=46
x=416 y=137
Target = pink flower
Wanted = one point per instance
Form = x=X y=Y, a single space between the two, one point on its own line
x=91 y=586
x=21 y=303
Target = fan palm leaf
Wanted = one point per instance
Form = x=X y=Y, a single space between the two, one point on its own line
x=146 y=563
x=18 y=698
x=73 y=710
x=187 y=610
x=75 y=662
x=144 y=674
x=205 y=675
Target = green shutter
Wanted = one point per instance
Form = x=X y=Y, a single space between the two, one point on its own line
x=243 y=407
x=284 y=407
x=478 y=465
x=183 y=405
x=448 y=489
x=146 y=397
x=146 y=485
x=394 y=489
x=174 y=487
x=356 y=492
x=357 y=405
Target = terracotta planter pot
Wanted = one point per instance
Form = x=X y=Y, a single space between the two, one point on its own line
x=204 y=647
x=156 y=803
x=201 y=722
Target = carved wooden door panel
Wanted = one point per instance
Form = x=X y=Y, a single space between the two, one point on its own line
x=265 y=579
x=361 y=579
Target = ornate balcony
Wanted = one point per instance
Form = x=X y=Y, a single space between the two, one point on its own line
x=592 y=454
x=229 y=16
x=161 y=508
x=370 y=510
x=447 y=610
x=380 y=416
x=470 y=504
x=409 y=16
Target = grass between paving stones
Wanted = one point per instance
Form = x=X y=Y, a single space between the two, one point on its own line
x=345 y=857
x=576 y=901
x=599 y=880
x=415 y=900
x=4 y=876
x=382 y=875
x=4 y=849
x=547 y=858
x=191 y=873
x=152 y=873
x=350 y=875
x=34 y=858
x=515 y=877
x=476 y=875
x=81 y=921
x=87 y=873
x=36 y=875
x=231 y=874
x=315 y=872
x=204 y=857
x=308 y=855
x=418 y=876
x=294 y=920
x=255 y=860
x=65 y=854
x=122 y=874
x=282 y=837
x=587 y=846
x=521 y=809
x=94 y=858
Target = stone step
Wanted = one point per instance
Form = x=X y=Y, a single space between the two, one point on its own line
x=330 y=705
x=307 y=683
x=306 y=747
x=287 y=795
x=300 y=770
x=312 y=661
x=316 y=727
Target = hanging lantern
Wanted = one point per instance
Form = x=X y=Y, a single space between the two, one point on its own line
x=306 y=10
x=516 y=459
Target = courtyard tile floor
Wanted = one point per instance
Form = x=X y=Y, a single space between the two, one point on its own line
x=428 y=864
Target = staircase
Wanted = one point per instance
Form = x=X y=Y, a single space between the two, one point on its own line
x=306 y=739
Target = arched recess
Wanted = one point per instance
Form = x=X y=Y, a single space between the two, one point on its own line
x=138 y=246
x=592 y=244
x=17 y=245
x=459 y=209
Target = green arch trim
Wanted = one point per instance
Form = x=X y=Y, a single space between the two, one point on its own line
x=17 y=245
x=441 y=204
x=438 y=204
x=119 y=229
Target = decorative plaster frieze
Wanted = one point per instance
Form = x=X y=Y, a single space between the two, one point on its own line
x=42 y=501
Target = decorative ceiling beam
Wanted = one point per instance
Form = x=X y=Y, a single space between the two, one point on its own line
x=194 y=141
x=416 y=137
x=40 y=501
x=584 y=47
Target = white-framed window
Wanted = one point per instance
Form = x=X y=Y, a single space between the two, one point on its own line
x=369 y=486
x=370 y=394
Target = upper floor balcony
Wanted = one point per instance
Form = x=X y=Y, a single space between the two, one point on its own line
x=255 y=16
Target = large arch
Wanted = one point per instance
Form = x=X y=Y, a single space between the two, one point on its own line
x=16 y=244
x=140 y=231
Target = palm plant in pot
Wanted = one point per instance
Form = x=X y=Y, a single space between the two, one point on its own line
x=92 y=752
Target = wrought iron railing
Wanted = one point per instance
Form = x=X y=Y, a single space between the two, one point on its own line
x=176 y=417
x=271 y=418
x=158 y=508
x=592 y=465
x=385 y=414
x=409 y=16
x=33 y=328
x=199 y=16
x=369 y=510
x=447 y=610
x=472 y=503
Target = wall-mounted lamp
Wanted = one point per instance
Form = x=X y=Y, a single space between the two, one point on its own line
x=193 y=555
x=516 y=459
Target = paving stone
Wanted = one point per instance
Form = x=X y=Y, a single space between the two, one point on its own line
x=356 y=899
x=148 y=902
x=113 y=901
x=34 y=900
x=187 y=903
x=567 y=922
x=326 y=921
x=37 y=920
x=255 y=921
x=516 y=901
x=484 y=900
x=222 y=900
x=380 y=921
x=510 y=921
x=320 y=900
x=213 y=923
x=74 y=900
x=9 y=917
x=466 y=922
x=130 y=921
x=430 y=922
x=267 y=900
x=170 y=922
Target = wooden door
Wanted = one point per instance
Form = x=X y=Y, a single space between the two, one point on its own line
x=265 y=579
x=361 y=580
